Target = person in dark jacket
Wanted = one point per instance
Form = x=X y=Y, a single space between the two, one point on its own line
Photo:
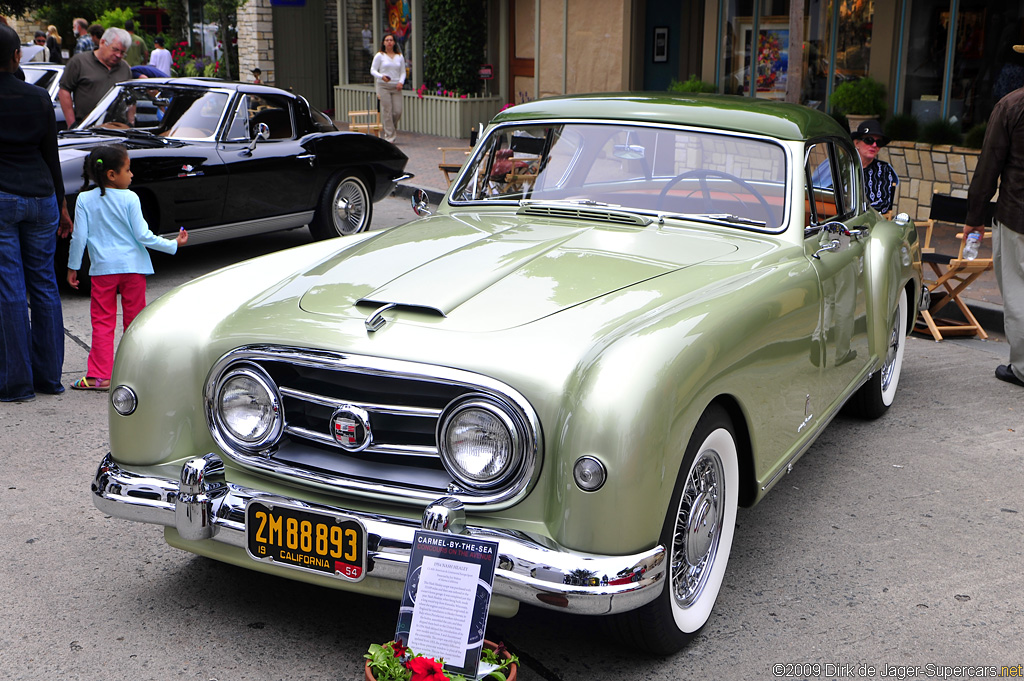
x=1001 y=166
x=31 y=212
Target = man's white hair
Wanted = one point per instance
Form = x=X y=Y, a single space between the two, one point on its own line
x=117 y=34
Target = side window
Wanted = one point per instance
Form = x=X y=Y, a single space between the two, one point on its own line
x=822 y=200
x=849 y=172
x=238 y=130
x=275 y=112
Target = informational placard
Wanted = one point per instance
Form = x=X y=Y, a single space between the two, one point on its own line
x=486 y=72
x=447 y=597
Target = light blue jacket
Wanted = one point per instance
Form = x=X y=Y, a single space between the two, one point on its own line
x=116 y=233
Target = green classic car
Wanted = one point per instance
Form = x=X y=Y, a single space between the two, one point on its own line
x=630 y=315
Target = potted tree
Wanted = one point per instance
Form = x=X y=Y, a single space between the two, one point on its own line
x=859 y=100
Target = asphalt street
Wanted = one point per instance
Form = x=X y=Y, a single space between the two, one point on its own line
x=893 y=545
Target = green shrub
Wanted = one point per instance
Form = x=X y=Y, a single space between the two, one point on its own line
x=455 y=35
x=115 y=18
x=692 y=84
x=864 y=97
x=940 y=132
x=902 y=127
x=975 y=136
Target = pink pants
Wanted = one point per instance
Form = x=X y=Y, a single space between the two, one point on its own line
x=105 y=288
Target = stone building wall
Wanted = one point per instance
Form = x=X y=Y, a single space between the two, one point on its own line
x=256 y=40
x=925 y=170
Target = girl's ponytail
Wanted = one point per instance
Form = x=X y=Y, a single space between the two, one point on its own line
x=101 y=159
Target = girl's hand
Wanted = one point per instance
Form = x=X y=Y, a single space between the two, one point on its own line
x=399 y=86
x=182 y=237
x=73 y=279
x=386 y=79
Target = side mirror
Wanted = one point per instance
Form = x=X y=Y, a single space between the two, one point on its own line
x=421 y=203
x=262 y=134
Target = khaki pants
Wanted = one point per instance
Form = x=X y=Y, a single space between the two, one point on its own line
x=390 y=108
x=1008 y=256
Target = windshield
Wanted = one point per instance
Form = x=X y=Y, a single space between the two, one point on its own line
x=649 y=169
x=166 y=111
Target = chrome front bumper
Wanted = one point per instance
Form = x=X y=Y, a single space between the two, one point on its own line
x=203 y=505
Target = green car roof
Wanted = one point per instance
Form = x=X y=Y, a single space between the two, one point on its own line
x=723 y=112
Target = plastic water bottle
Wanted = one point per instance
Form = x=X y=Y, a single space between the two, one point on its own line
x=971 y=245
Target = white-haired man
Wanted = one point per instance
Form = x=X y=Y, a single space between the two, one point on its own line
x=88 y=76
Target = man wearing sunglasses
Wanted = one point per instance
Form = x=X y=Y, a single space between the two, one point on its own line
x=880 y=180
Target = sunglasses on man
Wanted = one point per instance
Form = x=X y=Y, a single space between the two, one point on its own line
x=871 y=141
x=40 y=41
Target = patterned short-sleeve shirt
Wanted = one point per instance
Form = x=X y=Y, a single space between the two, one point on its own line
x=880 y=181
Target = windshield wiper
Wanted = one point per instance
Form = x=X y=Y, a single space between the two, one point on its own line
x=718 y=218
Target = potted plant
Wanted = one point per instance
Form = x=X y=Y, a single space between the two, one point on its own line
x=859 y=100
x=394 y=662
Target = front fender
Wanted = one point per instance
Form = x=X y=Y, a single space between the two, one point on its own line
x=893 y=258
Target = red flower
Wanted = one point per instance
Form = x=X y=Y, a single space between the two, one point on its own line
x=398 y=648
x=426 y=669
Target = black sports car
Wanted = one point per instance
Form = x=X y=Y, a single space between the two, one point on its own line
x=225 y=159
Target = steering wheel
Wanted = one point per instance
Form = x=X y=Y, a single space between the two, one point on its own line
x=704 y=175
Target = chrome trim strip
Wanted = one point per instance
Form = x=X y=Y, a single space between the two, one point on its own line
x=514 y=491
x=368 y=406
x=399 y=450
x=202 y=235
x=531 y=570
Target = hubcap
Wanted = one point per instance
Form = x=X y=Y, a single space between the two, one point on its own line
x=349 y=208
x=698 y=528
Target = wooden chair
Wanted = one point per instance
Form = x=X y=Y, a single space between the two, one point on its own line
x=452 y=167
x=367 y=121
x=947 y=276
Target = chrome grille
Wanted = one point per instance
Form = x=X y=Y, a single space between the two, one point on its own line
x=404 y=402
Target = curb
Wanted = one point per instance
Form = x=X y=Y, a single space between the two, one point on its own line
x=990 y=316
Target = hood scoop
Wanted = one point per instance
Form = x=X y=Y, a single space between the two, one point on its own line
x=577 y=211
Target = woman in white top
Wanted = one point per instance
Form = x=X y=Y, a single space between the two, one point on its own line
x=388 y=71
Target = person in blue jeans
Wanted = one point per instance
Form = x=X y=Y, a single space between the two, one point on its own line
x=31 y=208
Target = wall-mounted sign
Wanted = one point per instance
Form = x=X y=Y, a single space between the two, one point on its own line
x=661 y=44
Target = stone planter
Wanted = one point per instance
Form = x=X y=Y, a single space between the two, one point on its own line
x=429 y=115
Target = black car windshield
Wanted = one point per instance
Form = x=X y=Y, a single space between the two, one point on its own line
x=728 y=178
x=166 y=111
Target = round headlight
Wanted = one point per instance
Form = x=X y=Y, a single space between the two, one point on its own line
x=479 y=444
x=248 y=408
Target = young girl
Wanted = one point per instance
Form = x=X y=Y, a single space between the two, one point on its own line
x=108 y=218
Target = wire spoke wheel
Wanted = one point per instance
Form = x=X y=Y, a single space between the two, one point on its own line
x=698 y=528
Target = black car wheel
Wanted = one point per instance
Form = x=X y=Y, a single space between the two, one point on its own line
x=345 y=208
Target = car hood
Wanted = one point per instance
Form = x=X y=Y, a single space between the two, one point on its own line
x=483 y=273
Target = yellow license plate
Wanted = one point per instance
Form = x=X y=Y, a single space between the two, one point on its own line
x=326 y=543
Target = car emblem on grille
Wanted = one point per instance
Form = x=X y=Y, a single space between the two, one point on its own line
x=350 y=427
